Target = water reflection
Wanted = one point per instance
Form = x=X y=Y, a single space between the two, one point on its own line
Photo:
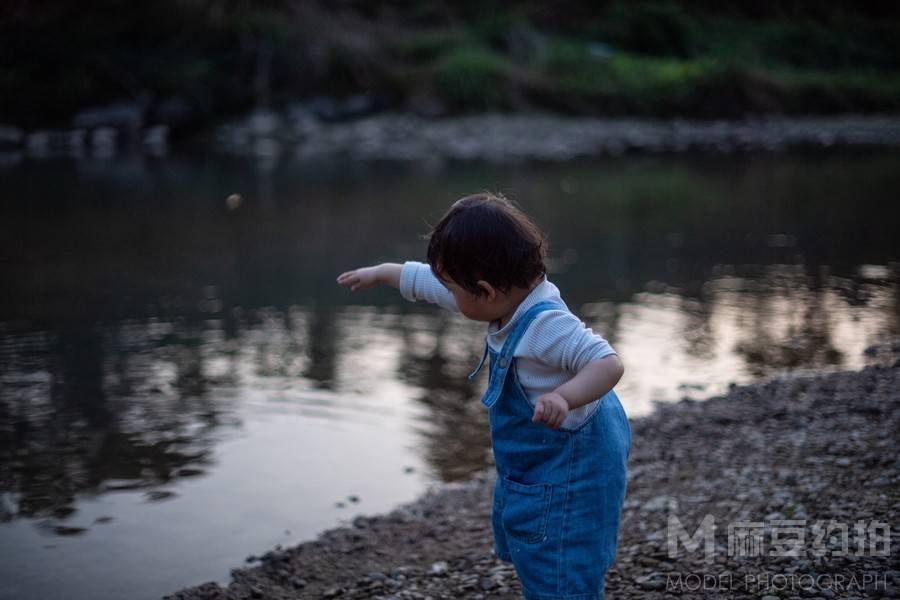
x=138 y=405
x=740 y=329
x=92 y=410
x=439 y=352
x=178 y=374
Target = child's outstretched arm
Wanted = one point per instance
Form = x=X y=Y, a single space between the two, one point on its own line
x=366 y=277
x=414 y=280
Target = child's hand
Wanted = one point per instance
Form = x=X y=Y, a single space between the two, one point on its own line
x=550 y=409
x=360 y=279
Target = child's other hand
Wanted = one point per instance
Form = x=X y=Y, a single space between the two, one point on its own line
x=359 y=279
x=551 y=409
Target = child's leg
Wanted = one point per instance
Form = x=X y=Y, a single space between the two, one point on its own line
x=501 y=546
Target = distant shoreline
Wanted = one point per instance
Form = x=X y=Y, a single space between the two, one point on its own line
x=538 y=136
x=503 y=137
x=807 y=449
x=493 y=137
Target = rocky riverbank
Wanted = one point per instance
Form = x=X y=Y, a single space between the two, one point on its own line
x=301 y=133
x=505 y=137
x=791 y=489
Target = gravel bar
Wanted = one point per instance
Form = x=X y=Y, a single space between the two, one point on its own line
x=505 y=138
x=815 y=449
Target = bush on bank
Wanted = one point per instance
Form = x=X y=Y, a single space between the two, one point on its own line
x=659 y=58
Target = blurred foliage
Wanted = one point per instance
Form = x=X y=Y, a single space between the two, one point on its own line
x=650 y=28
x=471 y=77
x=654 y=57
x=424 y=46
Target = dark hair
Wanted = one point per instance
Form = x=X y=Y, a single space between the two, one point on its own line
x=485 y=236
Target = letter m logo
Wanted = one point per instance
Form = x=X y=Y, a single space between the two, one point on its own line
x=705 y=534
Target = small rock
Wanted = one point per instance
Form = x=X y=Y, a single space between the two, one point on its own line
x=487 y=584
x=650 y=582
x=658 y=503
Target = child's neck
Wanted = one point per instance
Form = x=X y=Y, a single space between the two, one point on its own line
x=515 y=298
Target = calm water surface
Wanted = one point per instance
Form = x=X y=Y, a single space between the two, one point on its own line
x=182 y=383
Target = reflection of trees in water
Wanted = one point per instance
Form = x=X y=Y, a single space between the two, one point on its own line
x=457 y=438
x=322 y=348
x=775 y=338
x=103 y=419
x=132 y=406
x=699 y=339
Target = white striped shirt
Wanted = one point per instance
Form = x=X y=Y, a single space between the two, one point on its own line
x=555 y=347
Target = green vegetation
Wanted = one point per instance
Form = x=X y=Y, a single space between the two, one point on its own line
x=658 y=58
x=471 y=77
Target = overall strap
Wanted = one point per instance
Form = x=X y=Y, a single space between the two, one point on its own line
x=481 y=362
x=504 y=359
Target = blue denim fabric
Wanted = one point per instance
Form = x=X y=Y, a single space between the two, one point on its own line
x=558 y=493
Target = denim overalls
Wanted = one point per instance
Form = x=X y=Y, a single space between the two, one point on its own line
x=558 y=493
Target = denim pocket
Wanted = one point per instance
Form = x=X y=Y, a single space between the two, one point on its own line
x=525 y=510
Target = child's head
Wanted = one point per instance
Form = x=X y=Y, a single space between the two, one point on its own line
x=485 y=238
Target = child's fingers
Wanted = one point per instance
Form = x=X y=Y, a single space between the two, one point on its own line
x=545 y=412
x=352 y=279
x=553 y=417
x=548 y=412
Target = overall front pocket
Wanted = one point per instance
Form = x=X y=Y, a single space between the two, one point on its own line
x=526 y=509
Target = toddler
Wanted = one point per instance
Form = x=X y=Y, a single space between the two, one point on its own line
x=560 y=437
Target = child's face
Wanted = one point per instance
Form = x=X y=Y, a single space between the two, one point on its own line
x=479 y=308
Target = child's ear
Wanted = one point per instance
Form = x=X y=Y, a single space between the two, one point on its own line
x=489 y=289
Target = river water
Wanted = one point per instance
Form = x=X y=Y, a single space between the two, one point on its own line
x=182 y=384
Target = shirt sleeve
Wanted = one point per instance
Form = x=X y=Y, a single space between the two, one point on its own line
x=417 y=282
x=560 y=339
